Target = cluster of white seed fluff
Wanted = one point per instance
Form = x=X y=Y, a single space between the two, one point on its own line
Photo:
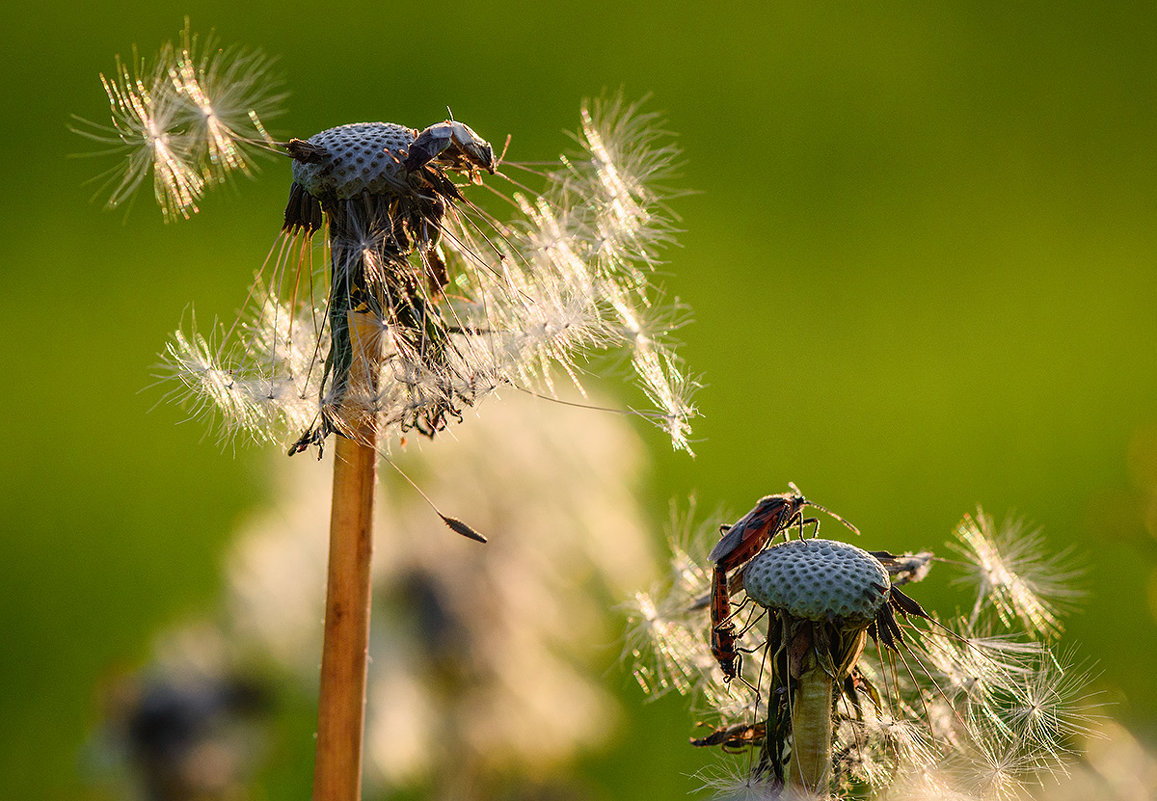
x=473 y=302
x=818 y=580
x=189 y=117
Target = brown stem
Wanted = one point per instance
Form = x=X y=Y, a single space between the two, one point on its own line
x=341 y=703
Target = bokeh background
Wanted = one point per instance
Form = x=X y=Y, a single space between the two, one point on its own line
x=921 y=260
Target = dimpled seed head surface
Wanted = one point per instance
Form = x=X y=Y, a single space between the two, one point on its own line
x=818 y=580
x=359 y=157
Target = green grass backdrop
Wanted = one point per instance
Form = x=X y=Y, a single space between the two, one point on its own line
x=921 y=261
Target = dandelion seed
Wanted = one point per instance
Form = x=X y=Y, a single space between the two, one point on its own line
x=969 y=667
x=737 y=786
x=230 y=91
x=990 y=766
x=1015 y=574
x=1051 y=708
x=664 y=649
x=147 y=114
x=185 y=116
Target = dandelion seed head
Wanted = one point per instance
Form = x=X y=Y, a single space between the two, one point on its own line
x=458 y=304
x=818 y=579
x=933 y=709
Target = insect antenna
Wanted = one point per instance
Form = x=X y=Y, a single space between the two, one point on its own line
x=518 y=184
x=829 y=512
x=835 y=516
x=503 y=155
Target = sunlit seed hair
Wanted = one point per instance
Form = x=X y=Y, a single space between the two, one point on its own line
x=229 y=91
x=729 y=783
x=146 y=131
x=1013 y=571
x=971 y=667
x=1051 y=710
x=188 y=116
x=991 y=765
x=664 y=648
x=264 y=392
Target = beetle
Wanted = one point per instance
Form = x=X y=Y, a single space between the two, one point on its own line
x=737 y=545
x=453 y=145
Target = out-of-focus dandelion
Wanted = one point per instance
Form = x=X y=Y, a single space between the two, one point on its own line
x=189 y=727
x=430 y=302
x=867 y=690
x=483 y=672
x=1117 y=767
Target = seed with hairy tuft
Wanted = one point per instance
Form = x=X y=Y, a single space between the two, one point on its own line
x=356 y=158
x=818 y=580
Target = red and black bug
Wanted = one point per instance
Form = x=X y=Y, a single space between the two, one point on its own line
x=737 y=545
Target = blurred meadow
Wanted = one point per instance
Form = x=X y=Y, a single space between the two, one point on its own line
x=921 y=258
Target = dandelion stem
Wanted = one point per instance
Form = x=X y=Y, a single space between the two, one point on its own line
x=342 y=699
x=810 y=768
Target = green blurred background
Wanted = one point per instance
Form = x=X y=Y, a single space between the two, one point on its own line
x=921 y=264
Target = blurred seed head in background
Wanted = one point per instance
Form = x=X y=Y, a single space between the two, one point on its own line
x=488 y=665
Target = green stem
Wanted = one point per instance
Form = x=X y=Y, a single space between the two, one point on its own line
x=810 y=768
